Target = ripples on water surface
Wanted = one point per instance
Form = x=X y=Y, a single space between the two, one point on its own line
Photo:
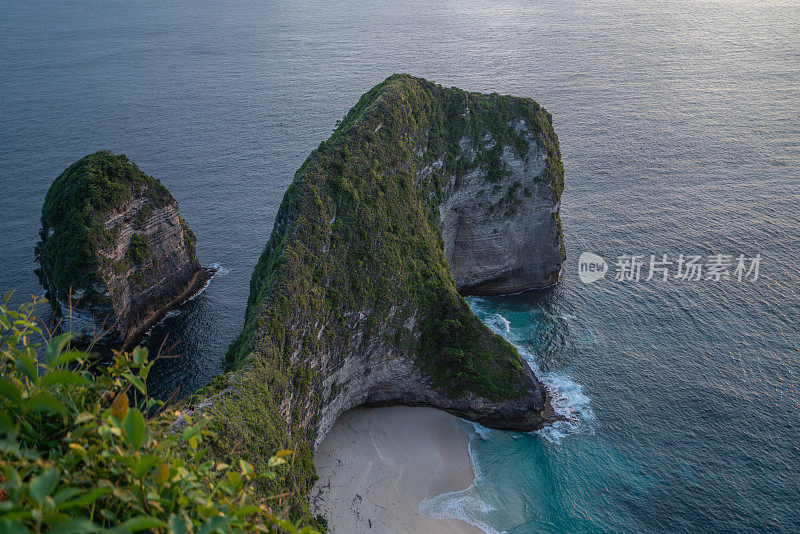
x=680 y=131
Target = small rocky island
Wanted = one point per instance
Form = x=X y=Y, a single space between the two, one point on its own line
x=114 y=254
x=421 y=195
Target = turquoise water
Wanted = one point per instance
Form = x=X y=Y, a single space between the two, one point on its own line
x=679 y=124
x=685 y=453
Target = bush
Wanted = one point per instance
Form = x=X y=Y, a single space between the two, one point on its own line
x=78 y=452
x=138 y=251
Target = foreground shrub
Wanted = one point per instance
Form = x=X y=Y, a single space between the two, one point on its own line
x=78 y=452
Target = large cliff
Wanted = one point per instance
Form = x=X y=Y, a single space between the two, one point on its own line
x=114 y=253
x=420 y=192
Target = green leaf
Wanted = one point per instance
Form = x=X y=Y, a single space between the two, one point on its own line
x=136 y=381
x=191 y=431
x=162 y=475
x=119 y=408
x=139 y=355
x=145 y=369
x=217 y=523
x=56 y=347
x=282 y=523
x=142 y=522
x=6 y=425
x=145 y=464
x=14 y=481
x=10 y=391
x=43 y=485
x=235 y=478
x=245 y=467
x=86 y=499
x=26 y=363
x=64 y=494
x=177 y=524
x=134 y=428
x=74 y=526
x=7 y=296
x=247 y=510
x=84 y=417
x=275 y=461
x=67 y=357
x=8 y=526
x=51 y=517
x=45 y=402
x=63 y=377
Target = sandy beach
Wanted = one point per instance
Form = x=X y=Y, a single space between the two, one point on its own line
x=377 y=464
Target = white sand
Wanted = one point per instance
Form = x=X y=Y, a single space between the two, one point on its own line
x=377 y=464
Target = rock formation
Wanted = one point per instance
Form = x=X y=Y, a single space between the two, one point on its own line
x=421 y=191
x=114 y=254
x=504 y=236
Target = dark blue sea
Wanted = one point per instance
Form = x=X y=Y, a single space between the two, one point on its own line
x=679 y=124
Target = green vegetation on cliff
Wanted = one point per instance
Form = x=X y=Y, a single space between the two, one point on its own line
x=72 y=215
x=138 y=251
x=356 y=245
x=79 y=454
x=352 y=233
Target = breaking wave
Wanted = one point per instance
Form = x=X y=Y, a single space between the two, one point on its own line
x=465 y=505
x=567 y=399
x=566 y=395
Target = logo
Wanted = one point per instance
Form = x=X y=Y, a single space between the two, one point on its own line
x=684 y=267
x=591 y=267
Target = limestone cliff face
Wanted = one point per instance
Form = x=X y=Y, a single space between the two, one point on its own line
x=421 y=192
x=502 y=237
x=377 y=374
x=115 y=255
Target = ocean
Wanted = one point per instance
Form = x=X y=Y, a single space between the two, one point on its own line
x=679 y=124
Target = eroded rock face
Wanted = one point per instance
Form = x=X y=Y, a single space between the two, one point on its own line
x=503 y=237
x=380 y=375
x=115 y=254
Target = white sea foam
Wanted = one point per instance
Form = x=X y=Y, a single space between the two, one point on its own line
x=480 y=430
x=566 y=395
x=567 y=399
x=169 y=315
x=498 y=324
x=221 y=271
x=463 y=505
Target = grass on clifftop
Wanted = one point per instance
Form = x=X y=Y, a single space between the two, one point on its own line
x=72 y=215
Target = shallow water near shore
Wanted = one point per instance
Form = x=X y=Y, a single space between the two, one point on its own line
x=678 y=124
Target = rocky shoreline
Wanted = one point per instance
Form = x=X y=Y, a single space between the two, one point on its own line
x=197 y=285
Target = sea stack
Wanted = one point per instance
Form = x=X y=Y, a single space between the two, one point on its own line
x=422 y=194
x=114 y=254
